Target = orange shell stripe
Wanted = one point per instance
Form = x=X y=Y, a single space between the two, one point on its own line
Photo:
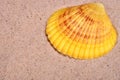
x=77 y=34
x=82 y=32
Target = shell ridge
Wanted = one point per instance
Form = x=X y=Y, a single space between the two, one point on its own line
x=68 y=16
x=75 y=35
x=81 y=39
x=52 y=33
x=71 y=35
x=61 y=32
x=110 y=41
x=72 y=31
x=86 y=52
x=87 y=27
x=92 y=41
x=102 y=43
x=90 y=37
x=69 y=24
x=82 y=32
x=64 y=36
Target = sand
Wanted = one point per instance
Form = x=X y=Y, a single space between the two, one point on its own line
x=26 y=54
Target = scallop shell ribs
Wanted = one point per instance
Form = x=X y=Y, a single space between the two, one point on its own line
x=82 y=32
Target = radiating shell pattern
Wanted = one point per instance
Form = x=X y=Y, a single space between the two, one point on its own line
x=82 y=32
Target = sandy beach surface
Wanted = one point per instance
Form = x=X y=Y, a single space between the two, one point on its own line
x=26 y=54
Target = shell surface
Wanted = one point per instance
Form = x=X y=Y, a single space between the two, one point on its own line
x=82 y=32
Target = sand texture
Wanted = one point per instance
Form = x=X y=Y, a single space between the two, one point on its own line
x=26 y=54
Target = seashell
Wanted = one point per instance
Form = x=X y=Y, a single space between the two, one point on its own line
x=82 y=32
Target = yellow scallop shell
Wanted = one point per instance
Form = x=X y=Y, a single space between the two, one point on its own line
x=82 y=32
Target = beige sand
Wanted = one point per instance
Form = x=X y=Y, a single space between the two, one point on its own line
x=25 y=53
